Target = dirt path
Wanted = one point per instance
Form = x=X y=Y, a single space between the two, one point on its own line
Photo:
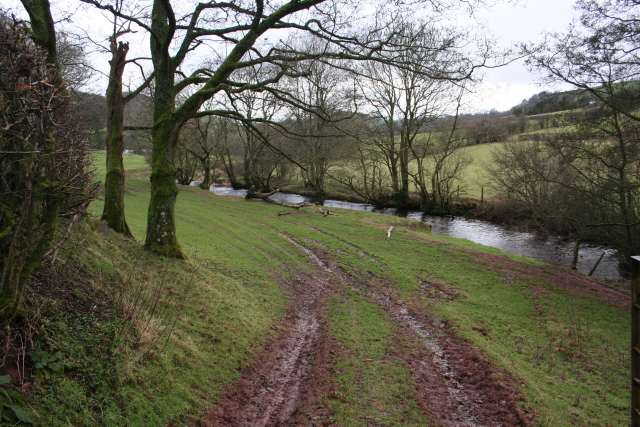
x=457 y=386
x=285 y=380
x=461 y=387
x=268 y=392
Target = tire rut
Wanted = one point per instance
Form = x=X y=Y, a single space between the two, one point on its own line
x=268 y=392
x=449 y=401
x=458 y=385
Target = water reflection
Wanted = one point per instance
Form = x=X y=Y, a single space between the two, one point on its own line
x=549 y=249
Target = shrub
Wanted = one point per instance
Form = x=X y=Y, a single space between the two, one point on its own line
x=45 y=184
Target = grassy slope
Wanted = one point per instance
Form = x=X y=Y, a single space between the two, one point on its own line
x=237 y=256
x=474 y=176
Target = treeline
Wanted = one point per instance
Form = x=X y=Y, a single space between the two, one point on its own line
x=550 y=102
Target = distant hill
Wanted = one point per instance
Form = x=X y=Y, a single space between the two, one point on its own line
x=548 y=102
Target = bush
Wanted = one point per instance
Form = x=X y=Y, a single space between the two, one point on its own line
x=45 y=184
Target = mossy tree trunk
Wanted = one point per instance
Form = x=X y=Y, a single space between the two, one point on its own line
x=113 y=212
x=168 y=120
x=42 y=28
x=161 y=226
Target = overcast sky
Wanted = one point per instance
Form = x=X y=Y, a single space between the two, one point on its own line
x=521 y=22
x=509 y=22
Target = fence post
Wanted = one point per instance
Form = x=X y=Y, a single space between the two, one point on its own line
x=635 y=341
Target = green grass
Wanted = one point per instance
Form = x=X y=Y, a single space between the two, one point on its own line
x=228 y=299
x=370 y=387
x=570 y=352
x=131 y=162
x=474 y=176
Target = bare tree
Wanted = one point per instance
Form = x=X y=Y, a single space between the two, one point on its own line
x=72 y=56
x=230 y=149
x=114 y=210
x=315 y=125
x=204 y=146
x=439 y=164
x=259 y=161
x=599 y=57
x=525 y=173
x=587 y=177
x=239 y=32
x=407 y=99
x=186 y=163
x=365 y=171
x=600 y=156
x=489 y=128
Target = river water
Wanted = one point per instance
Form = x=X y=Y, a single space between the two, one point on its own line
x=553 y=250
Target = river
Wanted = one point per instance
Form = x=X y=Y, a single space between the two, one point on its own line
x=553 y=250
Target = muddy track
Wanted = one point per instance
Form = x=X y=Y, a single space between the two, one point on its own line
x=456 y=385
x=461 y=387
x=289 y=373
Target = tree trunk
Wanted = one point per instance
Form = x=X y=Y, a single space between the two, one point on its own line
x=206 y=181
x=161 y=223
x=227 y=161
x=42 y=28
x=393 y=162
x=161 y=227
x=113 y=212
x=404 y=167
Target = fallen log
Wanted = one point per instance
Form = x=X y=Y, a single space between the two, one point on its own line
x=251 y=194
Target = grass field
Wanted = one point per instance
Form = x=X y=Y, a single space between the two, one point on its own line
x=568 y=353
x=475 y=177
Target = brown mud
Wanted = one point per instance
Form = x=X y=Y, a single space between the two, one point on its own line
x=287 y=374
x=456 y=385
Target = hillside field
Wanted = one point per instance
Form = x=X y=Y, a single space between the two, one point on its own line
x=413 y=330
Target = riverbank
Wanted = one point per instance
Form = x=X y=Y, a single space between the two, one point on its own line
x=507 y=237
x=461 y=207
x=492 y=210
